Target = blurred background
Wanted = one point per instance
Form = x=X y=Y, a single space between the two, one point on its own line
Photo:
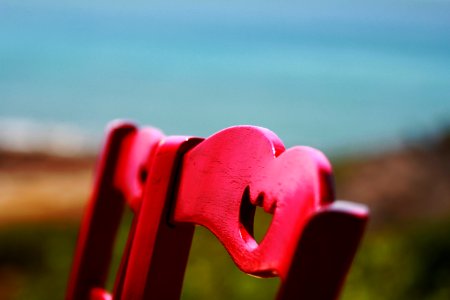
x=367 y=82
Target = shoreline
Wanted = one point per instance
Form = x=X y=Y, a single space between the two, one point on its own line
x=37 y=187
x=398 y=185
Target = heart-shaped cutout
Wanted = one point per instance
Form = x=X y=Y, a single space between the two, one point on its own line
x=226 y=176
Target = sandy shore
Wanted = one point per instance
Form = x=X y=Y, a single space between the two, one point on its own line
x=38 y=187
x=409 y=183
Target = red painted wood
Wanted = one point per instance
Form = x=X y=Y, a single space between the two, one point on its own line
x=100 y=294
x=227 y=175
x=159 y=250
x=325 y=252
x=291 y=184
x=117 y=182
x=216 y=183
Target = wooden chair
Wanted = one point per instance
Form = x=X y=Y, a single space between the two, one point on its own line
x=120 y=174
x=217 y=183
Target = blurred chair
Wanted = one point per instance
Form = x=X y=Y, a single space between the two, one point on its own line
x=121 y=171
x=218 y=183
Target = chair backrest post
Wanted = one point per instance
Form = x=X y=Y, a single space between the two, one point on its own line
x=125 y=150
x=324 y=253
x=104 y=211
x=159 y=250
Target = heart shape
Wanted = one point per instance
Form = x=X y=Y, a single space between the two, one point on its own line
x=291 y=184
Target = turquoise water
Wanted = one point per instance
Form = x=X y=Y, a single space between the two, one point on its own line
x=352 y=77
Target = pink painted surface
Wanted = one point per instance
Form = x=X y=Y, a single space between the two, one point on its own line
x=217 y=183
x=100 y=294
x=117 y=183
x=225 y=177
x=159 y=251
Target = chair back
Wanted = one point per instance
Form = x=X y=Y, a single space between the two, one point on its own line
x=217 y=183
x=120 y=175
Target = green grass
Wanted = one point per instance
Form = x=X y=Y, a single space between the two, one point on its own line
x=35 y=260
x=408 y=262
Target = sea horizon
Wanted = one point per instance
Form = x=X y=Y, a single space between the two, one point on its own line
x=350 y=78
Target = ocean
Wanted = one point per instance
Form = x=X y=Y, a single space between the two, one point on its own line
x=348 y=77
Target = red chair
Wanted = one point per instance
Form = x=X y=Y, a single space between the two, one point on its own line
x=217 y=183
x=119 y=178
